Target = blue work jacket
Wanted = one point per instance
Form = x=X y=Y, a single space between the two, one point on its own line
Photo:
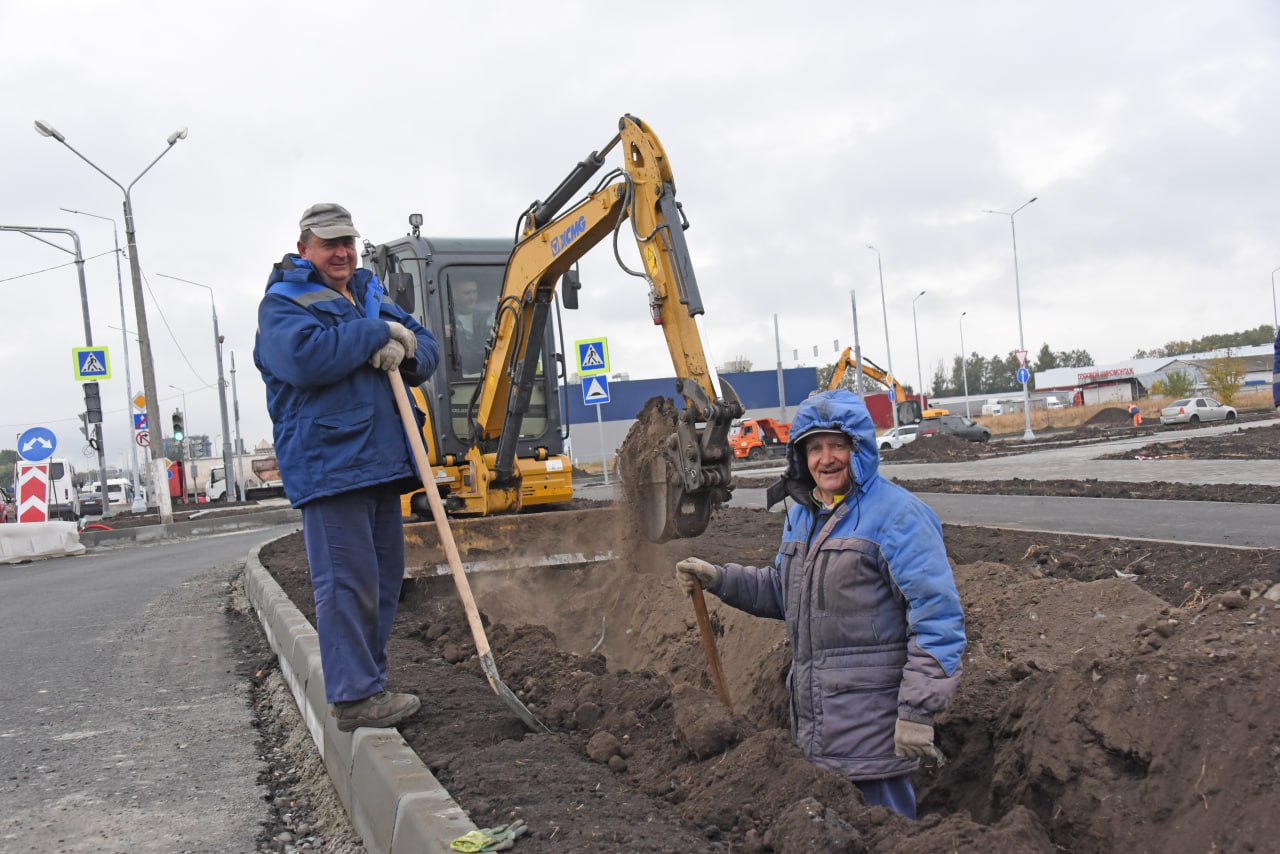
x=334 y=417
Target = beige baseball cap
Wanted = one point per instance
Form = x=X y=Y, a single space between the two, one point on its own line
x=328 y=220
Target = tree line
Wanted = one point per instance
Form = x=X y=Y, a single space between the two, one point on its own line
x=1263 y=334
x=999 y=374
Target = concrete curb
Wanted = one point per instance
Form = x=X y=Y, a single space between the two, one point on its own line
x=394 y=801
x=195 y=527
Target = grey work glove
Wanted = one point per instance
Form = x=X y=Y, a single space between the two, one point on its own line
x=696 y=569
x=911 y=739
x=389 y=356
x=401 y=334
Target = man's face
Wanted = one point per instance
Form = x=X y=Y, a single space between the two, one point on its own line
x=334 y=259
x=465 y=296
x=828 y=456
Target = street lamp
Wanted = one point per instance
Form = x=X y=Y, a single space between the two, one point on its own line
x=92 y=398
x=1017 y=288
x=964 y=365
x=222 y=386
x=884 y=307
x=182 y=440
x=139 y=503
x=1275 y=320
x=919 y=372
x=139 y=306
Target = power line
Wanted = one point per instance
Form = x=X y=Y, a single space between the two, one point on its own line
x=55 y=267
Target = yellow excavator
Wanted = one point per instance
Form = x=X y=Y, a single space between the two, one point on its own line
x=494 y=418
x=909 y=411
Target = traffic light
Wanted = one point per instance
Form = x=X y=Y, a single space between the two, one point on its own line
x=178 y=432
x=93 y=403
x=84 y=424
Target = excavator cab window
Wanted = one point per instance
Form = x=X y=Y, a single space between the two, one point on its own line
x=471 y=293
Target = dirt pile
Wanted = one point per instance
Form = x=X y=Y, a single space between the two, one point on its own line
x=1108 y=417
x=942 y=448
x=1255 y=443
x=1094 y=714
x=1092 y=488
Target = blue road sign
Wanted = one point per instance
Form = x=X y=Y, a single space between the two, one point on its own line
x=139 y=421
x=595 y=390
x=593 y=356
x=37 y=444
x=1023 y=375
x=92 y=363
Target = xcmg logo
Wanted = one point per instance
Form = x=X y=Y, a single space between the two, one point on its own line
x=571 y=233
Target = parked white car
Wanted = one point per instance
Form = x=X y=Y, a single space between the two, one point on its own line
x=897 y=437
x=1193 y=410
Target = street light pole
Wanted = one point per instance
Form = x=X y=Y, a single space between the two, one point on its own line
x=1017 y=287
x=884 y=308
x=964 y=365
x=222 y=387
x=139 y=503
x=1275 y=319
x=235 y=400
x=90 y=388
x=919 y=372
x=139 y=306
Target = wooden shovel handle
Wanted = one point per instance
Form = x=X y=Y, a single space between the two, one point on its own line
x=709 y=645
x=414 y=433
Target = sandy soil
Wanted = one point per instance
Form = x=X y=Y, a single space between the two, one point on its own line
x=1117 y=695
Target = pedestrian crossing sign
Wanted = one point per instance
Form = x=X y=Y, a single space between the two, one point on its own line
x=92 y=363
x=593 y=356
x=595 y=390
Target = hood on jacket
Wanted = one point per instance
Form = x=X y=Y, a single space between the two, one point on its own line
x=840 y=410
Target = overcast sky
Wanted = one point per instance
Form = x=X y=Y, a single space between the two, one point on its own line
x=798 y=134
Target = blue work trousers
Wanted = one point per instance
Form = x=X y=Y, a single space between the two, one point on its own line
x=896 y=793
x=355 y=546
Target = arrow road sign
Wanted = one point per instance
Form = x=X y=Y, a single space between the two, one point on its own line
x=139 y=421
x=37 y=444
x=595 y=390
x=33 y=492
x=1023 y=375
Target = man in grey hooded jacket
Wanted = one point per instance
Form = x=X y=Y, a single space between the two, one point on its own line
x=871 y=608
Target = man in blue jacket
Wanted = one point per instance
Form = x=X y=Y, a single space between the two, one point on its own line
x=327 y=336
x=871 y=609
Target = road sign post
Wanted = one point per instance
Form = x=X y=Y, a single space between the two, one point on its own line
x=595 y=392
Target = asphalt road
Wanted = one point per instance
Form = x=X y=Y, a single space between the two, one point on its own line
x=124 y=726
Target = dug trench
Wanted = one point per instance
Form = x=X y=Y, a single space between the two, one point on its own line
x=1116 y=695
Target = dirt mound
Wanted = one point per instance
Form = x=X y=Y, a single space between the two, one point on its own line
x=1093 y=714
x=942 y=448
x=1256 y=443
x=1251 y=493
x=1109 y=416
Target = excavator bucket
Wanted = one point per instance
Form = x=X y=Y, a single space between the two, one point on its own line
x=554 y=538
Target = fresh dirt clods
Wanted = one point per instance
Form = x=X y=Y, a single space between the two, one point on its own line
x=1116 y=694
x=1254 y=443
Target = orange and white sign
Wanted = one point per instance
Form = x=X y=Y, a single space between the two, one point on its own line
x=33 y=492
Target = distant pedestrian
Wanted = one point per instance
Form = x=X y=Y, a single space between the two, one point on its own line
x=871 y=609
x=1136 y=414
x=327 y=336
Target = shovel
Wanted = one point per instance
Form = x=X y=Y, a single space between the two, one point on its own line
x=709 y=645
x=455 y=561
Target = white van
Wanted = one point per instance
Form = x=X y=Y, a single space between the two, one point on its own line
x=993 y=407
x=119 y=492
x=64 y=497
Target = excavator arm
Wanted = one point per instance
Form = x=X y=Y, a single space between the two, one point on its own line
x=908 y=410
x=693 y=472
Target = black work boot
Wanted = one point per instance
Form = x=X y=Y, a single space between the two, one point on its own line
x=383 y=709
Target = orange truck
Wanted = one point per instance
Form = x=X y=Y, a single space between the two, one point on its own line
x=759 y=438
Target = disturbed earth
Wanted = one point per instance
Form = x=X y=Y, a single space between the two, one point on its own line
x=1117 y=695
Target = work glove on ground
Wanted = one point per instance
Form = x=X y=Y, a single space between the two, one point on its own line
x=389 y=355
x=401 y=333
x=500 y=838
x=911 y=739
x=696 y=569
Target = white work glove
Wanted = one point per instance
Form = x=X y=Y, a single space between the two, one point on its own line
x=693 y=569
x=406 y=339
x=913 y=739
x=389 y=356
